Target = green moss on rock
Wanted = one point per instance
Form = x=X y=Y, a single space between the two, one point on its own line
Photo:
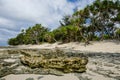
x=56 y=60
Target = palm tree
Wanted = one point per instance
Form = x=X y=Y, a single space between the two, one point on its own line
x=101 y=18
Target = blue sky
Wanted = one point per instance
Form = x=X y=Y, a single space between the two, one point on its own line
x=21 y=14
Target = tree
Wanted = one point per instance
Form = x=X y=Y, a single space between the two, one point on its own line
x=95 y=21
x=117 y=33
x=50 y=37
x=32 y=35
x=35 y=35
x=101 y=20
x=65 y=21
x=13 y=41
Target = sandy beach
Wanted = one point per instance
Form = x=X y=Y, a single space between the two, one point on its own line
x=41 y=77
x=99 y=46
x=101 y=66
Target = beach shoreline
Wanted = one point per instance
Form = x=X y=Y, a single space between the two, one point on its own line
x=101 y=65
x=107 y=46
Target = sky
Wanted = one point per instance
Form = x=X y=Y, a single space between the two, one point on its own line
x=21 y=14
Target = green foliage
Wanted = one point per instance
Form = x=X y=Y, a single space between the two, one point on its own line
x=65 y=21
x=66 y=33
x=117 y=18
x=118 y=34
x=95 y=38
x=13 y=41
x=49 y=37
x=105 y=36
x=32 y=35
x=118 y=31
x=73 y=27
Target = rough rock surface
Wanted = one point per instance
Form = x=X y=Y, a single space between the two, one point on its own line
x=101 y=66
x=56 y=59
x=35 y=61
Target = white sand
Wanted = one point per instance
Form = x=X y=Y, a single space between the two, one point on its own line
x=42 y=77
x=10 y=60
x=101 y=46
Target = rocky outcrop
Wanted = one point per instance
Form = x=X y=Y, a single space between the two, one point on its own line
x=105 y=66
x=56 y=59
x=41 y=61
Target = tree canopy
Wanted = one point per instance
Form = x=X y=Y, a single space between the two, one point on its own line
x=95 y=22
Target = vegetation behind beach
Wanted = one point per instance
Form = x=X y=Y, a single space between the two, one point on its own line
x=95 y=22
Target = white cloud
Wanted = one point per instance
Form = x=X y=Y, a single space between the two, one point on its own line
x=6 y=23
x=37 y=11
x=17 y=14
x=82 y=3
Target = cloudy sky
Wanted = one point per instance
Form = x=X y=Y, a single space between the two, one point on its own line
x=21 y=14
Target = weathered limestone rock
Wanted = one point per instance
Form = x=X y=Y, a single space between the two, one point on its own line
x=55 y=60
x=41 y=61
